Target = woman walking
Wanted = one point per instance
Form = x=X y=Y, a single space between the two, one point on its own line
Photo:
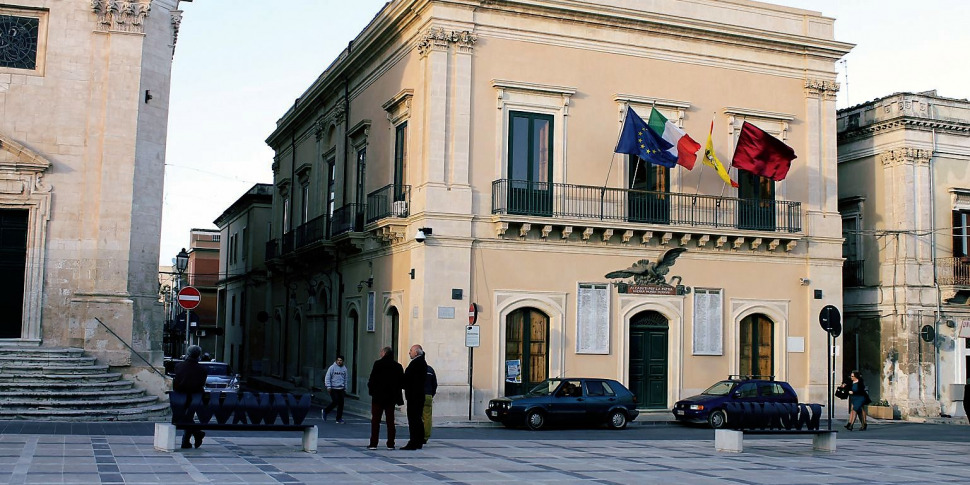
x=858 y=400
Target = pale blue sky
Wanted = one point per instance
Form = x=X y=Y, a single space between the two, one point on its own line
x=239 y=65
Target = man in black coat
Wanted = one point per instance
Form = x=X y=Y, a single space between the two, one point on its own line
x=414 y=377
x=190 y=379
x=384 y=387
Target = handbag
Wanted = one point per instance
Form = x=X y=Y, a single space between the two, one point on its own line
x=841 y=393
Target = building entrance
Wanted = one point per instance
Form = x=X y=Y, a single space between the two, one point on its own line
x=526 y=350
x=648 y=359
x=13 y=263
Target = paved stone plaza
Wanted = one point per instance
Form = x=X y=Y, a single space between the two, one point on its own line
x=84 y=459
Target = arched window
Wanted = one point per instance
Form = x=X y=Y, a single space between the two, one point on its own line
x=757 y=347
x=526 y=350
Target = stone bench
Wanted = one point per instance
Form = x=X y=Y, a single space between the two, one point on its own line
x=244 y=411
x=772 y=419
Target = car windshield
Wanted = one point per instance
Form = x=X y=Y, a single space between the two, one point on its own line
x=545 y=388
x=720 y=389
x=217 y=368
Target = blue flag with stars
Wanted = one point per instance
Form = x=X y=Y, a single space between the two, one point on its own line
x=638 y=139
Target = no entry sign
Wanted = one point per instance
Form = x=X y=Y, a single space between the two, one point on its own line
x=189 y=297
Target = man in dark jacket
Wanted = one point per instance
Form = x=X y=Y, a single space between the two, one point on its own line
x=190 y=379
x=414 y=377
x=384 y=387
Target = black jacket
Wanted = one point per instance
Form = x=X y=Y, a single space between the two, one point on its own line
x=431 y=382
x=189 y=377
x=414 y=377
x=384 y=385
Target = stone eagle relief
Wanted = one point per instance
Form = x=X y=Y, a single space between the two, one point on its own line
x=646 y=272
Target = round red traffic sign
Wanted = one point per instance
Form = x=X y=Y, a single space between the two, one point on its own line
x=189 y=297
x=472 y=314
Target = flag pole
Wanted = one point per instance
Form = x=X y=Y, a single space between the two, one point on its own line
x=610 y=171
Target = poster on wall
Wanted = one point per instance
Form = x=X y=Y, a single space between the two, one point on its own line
x=371 y=325
x=513 y=371
x=593 y=319
x=708 y=322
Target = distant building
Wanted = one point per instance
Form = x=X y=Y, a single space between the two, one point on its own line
x=244 y=229
x=904 y=196
x=202 y=272
x=490 y=127
x=84 y=87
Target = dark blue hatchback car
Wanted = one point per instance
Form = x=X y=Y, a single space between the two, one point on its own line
x=709 y=405
x=567 y=401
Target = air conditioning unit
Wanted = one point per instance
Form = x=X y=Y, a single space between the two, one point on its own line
x=399 y=208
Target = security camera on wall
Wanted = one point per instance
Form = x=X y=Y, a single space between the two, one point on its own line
x=422 y=234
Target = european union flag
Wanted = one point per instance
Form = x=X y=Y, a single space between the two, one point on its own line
x=638 y=139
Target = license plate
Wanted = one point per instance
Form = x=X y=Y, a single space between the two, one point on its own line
x=678 y=411
x=492 y=413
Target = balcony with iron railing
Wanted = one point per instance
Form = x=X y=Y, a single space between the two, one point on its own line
x=313 y=231
x=388 y=201
x=581 y=202
x=853 y=273
x=349 y=218
x=953 y=271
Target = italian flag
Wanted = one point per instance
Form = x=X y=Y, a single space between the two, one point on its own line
x=684 y=148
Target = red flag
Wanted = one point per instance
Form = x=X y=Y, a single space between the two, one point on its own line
x=762 y=154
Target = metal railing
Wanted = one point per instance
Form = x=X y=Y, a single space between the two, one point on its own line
x=388 y=201
x=953 y=271
x=112 y=332
x=349 y=218
x=310 y=232
x=605 y=203
x=853 y=273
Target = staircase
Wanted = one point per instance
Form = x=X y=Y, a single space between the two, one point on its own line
x=63 y=384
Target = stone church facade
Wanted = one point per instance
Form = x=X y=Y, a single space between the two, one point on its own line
x=84 y=91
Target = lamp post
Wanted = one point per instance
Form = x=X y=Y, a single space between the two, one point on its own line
x=182 y=262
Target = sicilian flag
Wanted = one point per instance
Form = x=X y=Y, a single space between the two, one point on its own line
x=711 y=159
x=762 y=154
x=684 y=148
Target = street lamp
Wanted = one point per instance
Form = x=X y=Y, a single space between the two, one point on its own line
x=182 y=262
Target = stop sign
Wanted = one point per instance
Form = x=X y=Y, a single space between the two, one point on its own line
x=189 y=297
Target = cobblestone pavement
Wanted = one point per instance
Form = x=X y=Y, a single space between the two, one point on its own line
x=91 y=459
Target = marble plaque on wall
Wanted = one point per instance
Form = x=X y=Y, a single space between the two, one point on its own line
x=593 y=319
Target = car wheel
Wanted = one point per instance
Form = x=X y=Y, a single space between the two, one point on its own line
x=535 y=420
x=617 y=420
x=717 y=418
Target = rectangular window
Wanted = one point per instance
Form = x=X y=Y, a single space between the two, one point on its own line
x=400 y=160
x=361 y=169
x=648 y=200
x=756 y=209
x=530 y=163
x=331 y=185
x=286 y=215
x=19 y=40
x=708 y=321
x=961 y=234
x=305 y=201
x=245 y=242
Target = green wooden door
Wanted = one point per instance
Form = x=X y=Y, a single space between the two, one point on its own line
x=648 y=359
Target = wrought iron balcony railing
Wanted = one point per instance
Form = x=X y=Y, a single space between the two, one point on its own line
x=349 y=218
x=852 y=273
x=388 y=201
x=310 y=232
x=588 y=202
x=953 y=271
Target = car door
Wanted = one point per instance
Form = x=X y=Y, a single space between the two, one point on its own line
x=746 y=392
x=599 y=399
x=568 y=405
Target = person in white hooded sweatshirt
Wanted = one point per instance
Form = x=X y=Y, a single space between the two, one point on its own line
x=336 y=382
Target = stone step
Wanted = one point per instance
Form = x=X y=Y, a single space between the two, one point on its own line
x=153 y=412
x=42 y=395
x=76 y=403
x=64 y=378
x=16 y=351
x=32 y=385
x=27 y=369
x=43 y=360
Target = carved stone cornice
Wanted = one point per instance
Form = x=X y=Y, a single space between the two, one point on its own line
x=905 y=156
x=176 y=23
x=821 y=88
x=121 y=15
x=437 y=39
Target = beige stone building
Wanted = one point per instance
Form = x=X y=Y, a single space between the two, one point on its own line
x=491 y=126
x=904 y=195
x=83 y=113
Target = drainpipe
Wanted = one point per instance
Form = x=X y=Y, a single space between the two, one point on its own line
x=936 y=280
